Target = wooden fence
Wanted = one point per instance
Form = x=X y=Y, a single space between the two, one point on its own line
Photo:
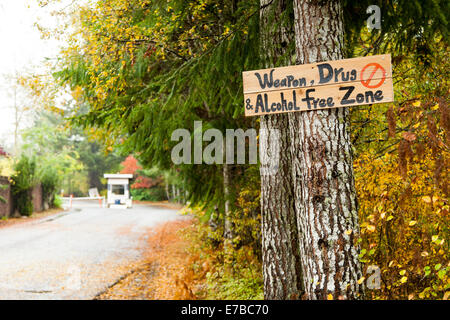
x=7 y=209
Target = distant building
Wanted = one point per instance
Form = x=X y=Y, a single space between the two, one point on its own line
x=3 y=153
x=119 y=190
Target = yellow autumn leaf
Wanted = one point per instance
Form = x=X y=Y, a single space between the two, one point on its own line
x=330 y=296
x=412 y=222
x=371 y=228
x=403 y=279
x=426 y=199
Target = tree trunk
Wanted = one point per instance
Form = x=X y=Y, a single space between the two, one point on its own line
x=228 y=225
x=280 y=248
x=226 y=190
x=16 y=123
x=325 y=197
x=166 y=186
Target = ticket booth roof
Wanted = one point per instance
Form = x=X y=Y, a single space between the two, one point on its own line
x=118 y=176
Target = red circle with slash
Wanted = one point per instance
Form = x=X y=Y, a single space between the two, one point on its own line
x=366 y=81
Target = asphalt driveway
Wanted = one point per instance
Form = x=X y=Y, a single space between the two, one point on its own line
x=75 y=254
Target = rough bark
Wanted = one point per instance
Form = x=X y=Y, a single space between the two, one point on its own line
x=280 y=248
x=325 y=197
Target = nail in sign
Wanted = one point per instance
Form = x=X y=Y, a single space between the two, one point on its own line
x=331 y=84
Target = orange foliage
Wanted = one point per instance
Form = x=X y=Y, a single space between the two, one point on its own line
x=130 y=165
x=143 y=183
x=166 y=272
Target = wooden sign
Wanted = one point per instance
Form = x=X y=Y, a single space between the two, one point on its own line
x=330 y=84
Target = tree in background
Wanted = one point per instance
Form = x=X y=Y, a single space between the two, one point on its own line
x=96 y=161
x=148 y=184
x=130 y=165
x=79 y=164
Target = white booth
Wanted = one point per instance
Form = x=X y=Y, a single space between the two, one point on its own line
x=119 y=190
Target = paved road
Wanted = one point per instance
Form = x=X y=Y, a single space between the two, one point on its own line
x=75 y=254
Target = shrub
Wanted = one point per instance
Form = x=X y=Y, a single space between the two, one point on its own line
x=57 y=202
x=152 y=194
x=22 y=183
x=227 y=278
x=49 y=180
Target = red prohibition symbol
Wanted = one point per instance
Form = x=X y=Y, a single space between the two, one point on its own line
x=366 y=81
